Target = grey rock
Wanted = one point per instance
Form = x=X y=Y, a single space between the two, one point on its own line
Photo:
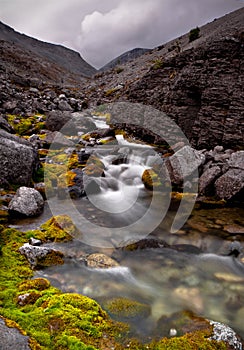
x=37 y=255
x=18 y=159
x=5 y=125
x=23 y=298
x=57 y=139
x=9 y=106
x=207 y=179
x=57 y=120
x=11 y=338
x=224 y=333
x=230 y=184
x=35 y=242
x=92 y=185
x=34 y=90
x=218 y=149
x=237 y=160
x=64 y=106
x=184 y=163
x=27 y=201
x=36 y=141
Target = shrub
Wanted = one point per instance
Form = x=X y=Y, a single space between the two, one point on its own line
x=194 y=34
x=158 y=63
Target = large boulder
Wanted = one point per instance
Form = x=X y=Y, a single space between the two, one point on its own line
x=207 y=179
x=18 y=159
x=230 y=184
x=27 y=202
x=56 y=120
x=237 y=160
x=184 y=163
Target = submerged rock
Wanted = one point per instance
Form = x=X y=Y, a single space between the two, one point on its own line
x=97 y=260
x=27 y=202
x=124 y=309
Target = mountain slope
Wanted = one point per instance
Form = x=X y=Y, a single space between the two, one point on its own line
x=125 y=57
x=199 y=84
x=48 y=61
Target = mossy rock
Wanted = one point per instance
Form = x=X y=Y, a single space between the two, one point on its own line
x=94 y=167
x=183 y=322
x=73 y=161
x=53 y=171
x=57 y=229
x=3 y=216
x=66 y=180
x=24 y=125
x=124 y=309
x=191 y=341
x=28 y=298
x=37 y=284
x=151 y=180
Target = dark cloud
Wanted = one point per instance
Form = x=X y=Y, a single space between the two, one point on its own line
x=102 y=30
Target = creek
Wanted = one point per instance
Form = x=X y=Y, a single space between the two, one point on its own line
x=194 y=273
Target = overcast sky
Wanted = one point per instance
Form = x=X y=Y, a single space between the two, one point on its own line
x=103 y=29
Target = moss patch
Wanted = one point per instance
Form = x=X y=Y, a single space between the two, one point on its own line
x=59 y=228
x=151 y=180
x=24 y=125
x=54 y=320
x=60 y=321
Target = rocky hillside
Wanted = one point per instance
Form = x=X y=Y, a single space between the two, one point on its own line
x=124 y=58
x=198 y=84
x=23 y=58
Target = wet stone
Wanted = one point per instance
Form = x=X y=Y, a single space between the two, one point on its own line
x=97 y=260
x=11 y=338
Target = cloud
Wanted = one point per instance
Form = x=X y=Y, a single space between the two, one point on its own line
x=102 y=30
x=143 y=23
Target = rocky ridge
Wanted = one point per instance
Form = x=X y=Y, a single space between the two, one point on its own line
x=24 y=58
x=198 y=84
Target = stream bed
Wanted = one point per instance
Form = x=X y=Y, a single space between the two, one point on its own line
x=194 y=272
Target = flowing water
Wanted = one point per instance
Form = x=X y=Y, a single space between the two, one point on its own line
x=198 y=275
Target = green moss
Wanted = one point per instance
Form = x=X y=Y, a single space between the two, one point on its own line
x=38 y=175
x=58 y=321
x=52 y=319
x=95 y=167
x=110 y=92
x=24 y=125
x=158 y=63
x=37 y=284
x=191 y=341
x=57 y=229
x=51 y=174
x=151 y=180
x=3 y=216
x=73 y=161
